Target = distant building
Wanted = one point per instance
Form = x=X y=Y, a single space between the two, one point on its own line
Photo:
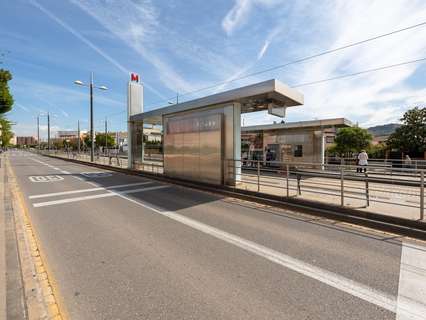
x=26 y=141
x=69 y=134
x=303 y=141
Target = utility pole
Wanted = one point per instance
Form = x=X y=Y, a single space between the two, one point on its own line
x=78 y=135
x=92 y=136
x=48 y=131
x=106 y=133
x=38 y=132
x=177 y=97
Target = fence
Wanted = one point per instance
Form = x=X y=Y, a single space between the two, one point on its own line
x=387 y=190
x=384 y=189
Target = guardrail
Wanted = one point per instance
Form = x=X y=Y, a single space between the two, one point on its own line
x=390 y=162
x=107 y=159
x=390 y=191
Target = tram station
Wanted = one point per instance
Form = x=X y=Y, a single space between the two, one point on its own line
x=202 y=137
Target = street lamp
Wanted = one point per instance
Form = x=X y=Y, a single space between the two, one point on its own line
x=91 y=86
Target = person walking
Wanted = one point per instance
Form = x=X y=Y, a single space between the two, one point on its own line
x=362 y=161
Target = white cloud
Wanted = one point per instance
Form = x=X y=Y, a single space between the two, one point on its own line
x=373 y=98
x=263 y=49
x=240 y=12
x=89 y=43
x=134 y=23
x=237 y=16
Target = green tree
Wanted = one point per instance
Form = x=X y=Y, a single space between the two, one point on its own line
x=99 y=140
x=410 y=138
x=6 y=132
x=6 y=99
x=352 y=139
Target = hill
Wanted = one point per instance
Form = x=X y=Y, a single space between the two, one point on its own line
x=383 y=130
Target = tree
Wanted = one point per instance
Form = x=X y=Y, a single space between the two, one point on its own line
x=99 y=140
x=410 y=138
x=6 y=99
x=6 y=132
x=352 y=139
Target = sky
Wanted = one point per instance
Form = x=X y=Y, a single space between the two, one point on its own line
x=181 y=46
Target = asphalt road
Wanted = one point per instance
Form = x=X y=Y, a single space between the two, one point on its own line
x=127 y=247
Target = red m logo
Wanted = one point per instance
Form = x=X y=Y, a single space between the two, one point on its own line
x=134 y=77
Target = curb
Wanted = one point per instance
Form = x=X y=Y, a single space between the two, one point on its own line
x=411 y=228
x=39 y=293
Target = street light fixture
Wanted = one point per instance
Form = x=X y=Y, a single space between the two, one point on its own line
x=91 y=86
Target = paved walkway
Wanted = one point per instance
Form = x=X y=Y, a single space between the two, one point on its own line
x=2 y=245
x=388 y=199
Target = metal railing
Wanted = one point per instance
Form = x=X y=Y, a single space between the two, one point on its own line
x=386 y=190
x=390 y=191
x=107 y=159
x=390 y=162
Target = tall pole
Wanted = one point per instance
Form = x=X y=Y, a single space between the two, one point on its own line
x=48 y=131
x=78 y=136
x=106 y=133
x=38 y=132
x=92 y=136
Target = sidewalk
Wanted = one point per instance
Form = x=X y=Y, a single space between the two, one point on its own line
x=2 y=244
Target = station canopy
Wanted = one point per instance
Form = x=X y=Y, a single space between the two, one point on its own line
x=270 y=95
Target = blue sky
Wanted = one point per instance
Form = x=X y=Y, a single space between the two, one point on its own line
x=180 y=46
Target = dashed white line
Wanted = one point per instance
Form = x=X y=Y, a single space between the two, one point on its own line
x=96 y=196
x=55 y=194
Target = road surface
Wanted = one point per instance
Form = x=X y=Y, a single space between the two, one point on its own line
x=127 y=247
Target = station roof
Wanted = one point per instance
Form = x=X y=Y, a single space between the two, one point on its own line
x=335 y=122
x=255 y=97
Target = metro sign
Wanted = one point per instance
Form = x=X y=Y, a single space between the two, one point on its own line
x=134 y=77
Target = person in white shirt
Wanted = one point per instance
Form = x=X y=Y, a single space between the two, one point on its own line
x=362 y=161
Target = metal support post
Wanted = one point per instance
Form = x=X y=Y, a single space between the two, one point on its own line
x=78 y=137
x=92 y=136
x=422 y=195
x=48 y=132
x=38 y=133
x=106 y=136
x=367 y=191
x=342 y=187
x=286 y=179
x=258 y=176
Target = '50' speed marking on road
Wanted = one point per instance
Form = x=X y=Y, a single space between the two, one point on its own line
x=50 y=178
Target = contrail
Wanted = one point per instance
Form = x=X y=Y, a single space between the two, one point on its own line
x=89 y=43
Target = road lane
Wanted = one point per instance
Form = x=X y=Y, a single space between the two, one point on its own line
x=115 y=259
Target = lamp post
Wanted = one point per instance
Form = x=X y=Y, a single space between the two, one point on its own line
x=78 y=136
x=48 y=129
x=91 y=87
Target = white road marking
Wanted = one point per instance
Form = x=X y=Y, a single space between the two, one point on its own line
x=98 y=174
x=412 y=283
x=48 y=178
x=55 y=168
x=46 y=195
x=96 y=196
x=354 y=288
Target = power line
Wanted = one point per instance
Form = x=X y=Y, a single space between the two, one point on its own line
x=281 y=66
x=358 y=73
x=337 y=77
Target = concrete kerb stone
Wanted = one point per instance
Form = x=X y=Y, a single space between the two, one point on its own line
x=39 y=295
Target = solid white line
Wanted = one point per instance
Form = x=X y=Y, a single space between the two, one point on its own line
x=334 y=280
x=412 y=283
x=46 y=195
x=96 y=196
